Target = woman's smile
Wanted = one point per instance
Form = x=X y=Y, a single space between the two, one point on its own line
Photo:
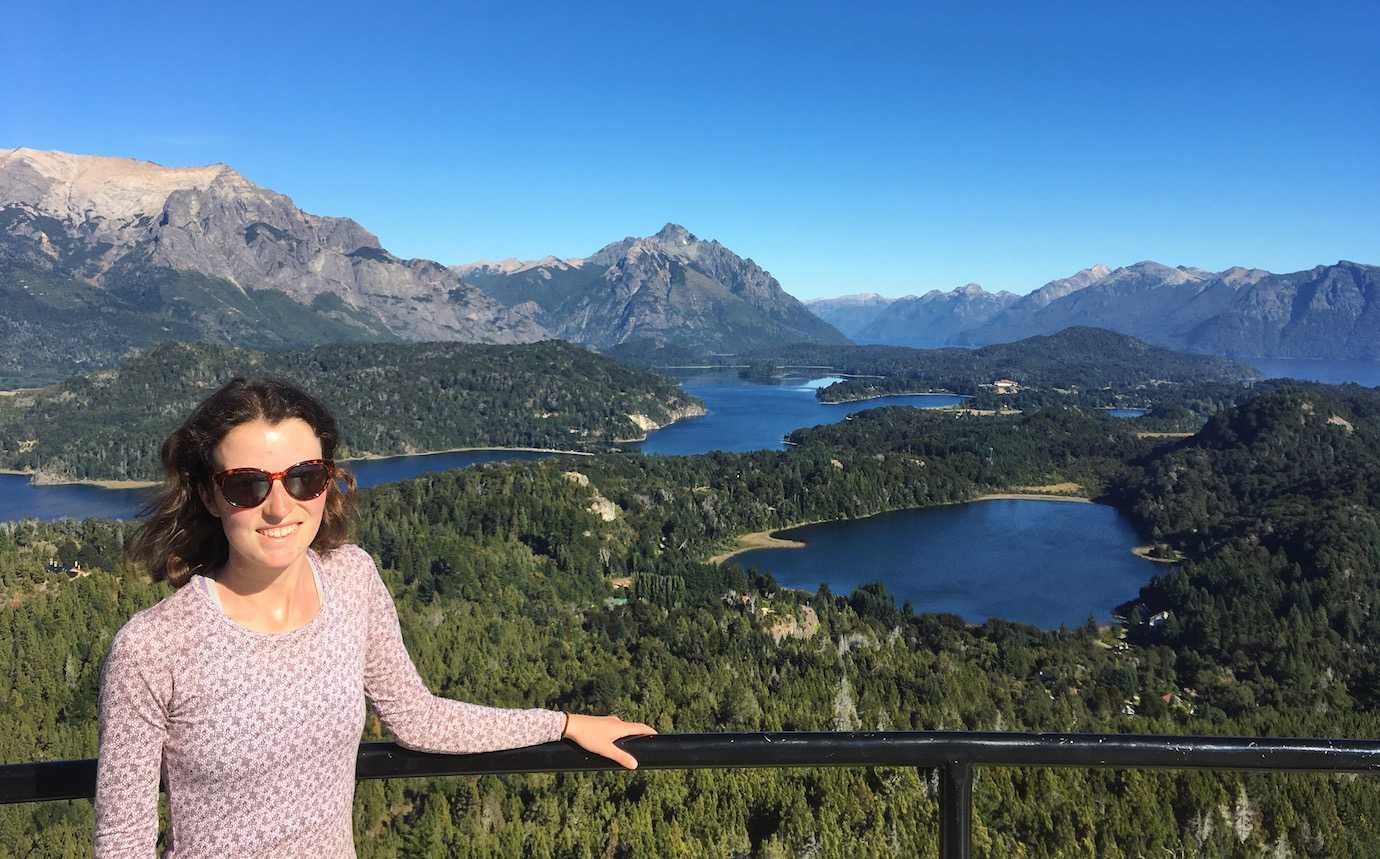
x=279 y=532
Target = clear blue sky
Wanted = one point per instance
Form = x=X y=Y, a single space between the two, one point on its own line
x=844 y=148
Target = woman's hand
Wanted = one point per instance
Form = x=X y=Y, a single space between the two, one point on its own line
x=597 y=733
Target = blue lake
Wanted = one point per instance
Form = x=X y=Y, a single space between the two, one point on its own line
x=747 y=416
x=741 y=416
x=1045 y=563
x=20 y=499
x=1365 y=373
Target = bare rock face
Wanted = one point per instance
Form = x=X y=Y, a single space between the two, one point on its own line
x=668 y=288
x=113 y=253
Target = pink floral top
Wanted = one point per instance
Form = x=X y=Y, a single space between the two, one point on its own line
x=256 y=734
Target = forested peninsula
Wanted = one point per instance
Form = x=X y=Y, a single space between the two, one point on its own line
x=504 y=576
x=390 y=399
x=1080 y=366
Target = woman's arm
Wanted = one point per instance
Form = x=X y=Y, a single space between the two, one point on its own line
x=423 y=721
x=135 y=691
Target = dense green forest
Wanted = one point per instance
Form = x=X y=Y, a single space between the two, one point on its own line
x=502 y=576
x=392 y=399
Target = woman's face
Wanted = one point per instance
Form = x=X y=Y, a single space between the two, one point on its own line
x=277 y=533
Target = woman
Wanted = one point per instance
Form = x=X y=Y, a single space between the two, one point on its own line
x=246 y=686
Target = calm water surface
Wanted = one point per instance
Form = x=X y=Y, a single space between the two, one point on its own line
x=742 y=416
x=19 y=499
x=1365 y=373
x=746 y=416
x=1044 y=563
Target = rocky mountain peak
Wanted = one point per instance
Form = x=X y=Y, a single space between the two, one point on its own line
x=112 y=189
x=675 y=234
x=668 y=288
x=1242 y=276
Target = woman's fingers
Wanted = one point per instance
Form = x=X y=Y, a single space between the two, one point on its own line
x=621 y=757
x=599 y=733
x=630 y=729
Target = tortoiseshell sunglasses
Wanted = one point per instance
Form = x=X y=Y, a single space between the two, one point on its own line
x=249 y=487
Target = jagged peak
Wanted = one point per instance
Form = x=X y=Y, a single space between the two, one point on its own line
x=675 y=234
x=1149 y=265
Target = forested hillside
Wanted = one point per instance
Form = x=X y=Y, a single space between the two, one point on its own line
x=1073 y=360
x=391 y=399
x=502 y=576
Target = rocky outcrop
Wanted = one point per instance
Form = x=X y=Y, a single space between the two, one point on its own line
x=669 y=288
x=648 y=425
x=598 y=504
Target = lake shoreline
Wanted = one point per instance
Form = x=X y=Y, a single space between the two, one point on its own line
x=366 y=457
x=370 y=457
x=1028 y=496
x=100 y=484
x=766 y=539
x=906 y=394
x=1144 y=552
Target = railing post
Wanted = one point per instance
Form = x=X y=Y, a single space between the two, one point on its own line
x=955 y=810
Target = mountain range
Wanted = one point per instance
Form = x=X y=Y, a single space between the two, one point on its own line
x=671 y=288
x=1329 y=312
x=100 y=256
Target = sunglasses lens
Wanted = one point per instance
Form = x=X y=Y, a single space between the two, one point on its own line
x=306 y=481
x=245 y=490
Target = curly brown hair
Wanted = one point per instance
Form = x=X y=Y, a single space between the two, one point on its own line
x=179 y=537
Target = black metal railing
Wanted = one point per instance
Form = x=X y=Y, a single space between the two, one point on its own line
x=954 y=754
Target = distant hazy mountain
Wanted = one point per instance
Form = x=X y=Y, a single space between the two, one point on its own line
x=669 y=289
x=934 y=318
x=1331 y=311
x=1325 y=312
x=850 y=314
x=1146 y=289
x=99 y=255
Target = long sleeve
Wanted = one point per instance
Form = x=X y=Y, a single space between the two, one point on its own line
x=135 y=693
x=424 y=721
